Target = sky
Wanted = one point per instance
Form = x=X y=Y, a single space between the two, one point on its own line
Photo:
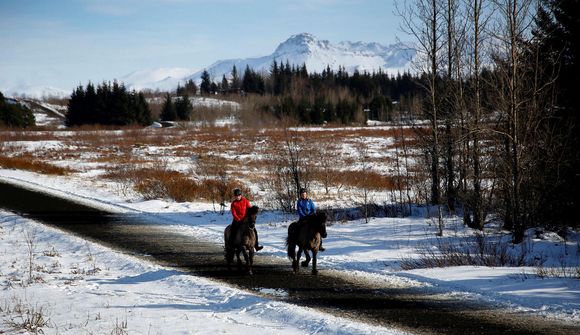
x=64 y=43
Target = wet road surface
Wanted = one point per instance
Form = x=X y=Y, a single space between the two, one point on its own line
x=340 y=294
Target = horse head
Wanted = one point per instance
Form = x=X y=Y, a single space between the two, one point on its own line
x=321 y=223
x=251 y=216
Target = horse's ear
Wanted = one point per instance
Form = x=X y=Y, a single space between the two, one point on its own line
x=254 y=209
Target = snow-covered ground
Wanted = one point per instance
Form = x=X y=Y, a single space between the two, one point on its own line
x=81 y=287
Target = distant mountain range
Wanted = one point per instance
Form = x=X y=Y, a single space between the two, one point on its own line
x=297 y=50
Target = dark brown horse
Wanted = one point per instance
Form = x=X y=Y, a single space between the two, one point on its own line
x=307 y=236
x=243 y=241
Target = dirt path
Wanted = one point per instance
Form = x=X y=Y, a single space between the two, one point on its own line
x=334 y=292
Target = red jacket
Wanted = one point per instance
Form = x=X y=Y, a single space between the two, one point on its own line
x=239 y=208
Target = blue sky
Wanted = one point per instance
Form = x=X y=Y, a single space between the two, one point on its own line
x=64 y=43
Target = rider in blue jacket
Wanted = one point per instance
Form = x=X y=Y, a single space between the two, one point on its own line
x=305 y=207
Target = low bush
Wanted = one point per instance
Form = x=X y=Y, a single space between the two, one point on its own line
x=29 y=163
x=476 y=250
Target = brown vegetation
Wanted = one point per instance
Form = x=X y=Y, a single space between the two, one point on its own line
x=29 y=163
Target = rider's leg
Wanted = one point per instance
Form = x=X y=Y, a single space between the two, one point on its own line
x=320 y=247
x=233 y=232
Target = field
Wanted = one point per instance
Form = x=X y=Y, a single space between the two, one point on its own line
x=180 y=176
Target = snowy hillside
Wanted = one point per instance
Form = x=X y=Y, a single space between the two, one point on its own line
x=36 y=92
x=165 y=79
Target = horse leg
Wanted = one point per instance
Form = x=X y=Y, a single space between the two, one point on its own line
x=239 y=260
x=298 y=256
x=292 y=252
x=247 y=259
x=314 y=270
x=251 y=254
x=307 y=261
x=229 y=257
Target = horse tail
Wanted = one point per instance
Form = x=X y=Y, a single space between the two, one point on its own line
x=290 y=241
x=291 y=248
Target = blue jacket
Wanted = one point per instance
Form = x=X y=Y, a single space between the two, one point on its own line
x=305 y=207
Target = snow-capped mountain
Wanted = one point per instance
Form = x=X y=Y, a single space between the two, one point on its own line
x=296 y=50
x=318 y=54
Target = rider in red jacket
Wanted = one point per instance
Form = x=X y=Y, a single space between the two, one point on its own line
x=238 y=208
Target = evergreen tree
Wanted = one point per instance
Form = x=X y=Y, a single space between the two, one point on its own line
x=558 y=28
x=168 y=112
x=253 y=82
x=183 y=108
x=15 y=115
x=318 y=110
x=235 y=85
x=190 y=88
x=107 y=104
x=205 y=86
x=225 y=85
x=213 y=88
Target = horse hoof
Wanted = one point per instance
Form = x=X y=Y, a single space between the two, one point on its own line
x=315 y=272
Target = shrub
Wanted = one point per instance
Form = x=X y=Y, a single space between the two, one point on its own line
x=31 y=164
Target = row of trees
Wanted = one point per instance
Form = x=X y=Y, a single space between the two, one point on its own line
x=107 y=104
x=332 y=96
x=501 y=119
x=13 y=114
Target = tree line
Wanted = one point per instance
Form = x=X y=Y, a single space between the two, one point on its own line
x=336 y=96
x=497 y=84
x=107 y=104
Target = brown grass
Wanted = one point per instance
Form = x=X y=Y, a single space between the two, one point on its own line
x=31 y=164
x=364 y=179
x=159 y=183
x=244 y=155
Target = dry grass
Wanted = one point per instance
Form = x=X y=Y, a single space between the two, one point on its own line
x=134 y=156
x=162 y=183
x=29 y=163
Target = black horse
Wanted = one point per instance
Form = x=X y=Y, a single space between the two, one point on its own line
x=243 y=241
x=306 y=235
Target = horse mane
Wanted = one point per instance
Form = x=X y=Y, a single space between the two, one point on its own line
x=319 y=218
x=252 y=211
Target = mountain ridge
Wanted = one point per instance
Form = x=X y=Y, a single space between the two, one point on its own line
x=304 y=48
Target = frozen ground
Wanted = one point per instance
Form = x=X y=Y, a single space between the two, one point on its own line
x=85 y=288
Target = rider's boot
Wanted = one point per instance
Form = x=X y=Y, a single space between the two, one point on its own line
x=257 y=246
x=320 y=247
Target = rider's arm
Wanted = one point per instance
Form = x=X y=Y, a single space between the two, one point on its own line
x=300 y=209
x=312 y=207
x=235 y=214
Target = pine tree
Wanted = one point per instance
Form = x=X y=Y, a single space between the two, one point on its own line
x=15 y=115
x=558 y=28
x=225 y=85
x=168 y=112
x=235 y=85
x=205 y=86
x=183 y=108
